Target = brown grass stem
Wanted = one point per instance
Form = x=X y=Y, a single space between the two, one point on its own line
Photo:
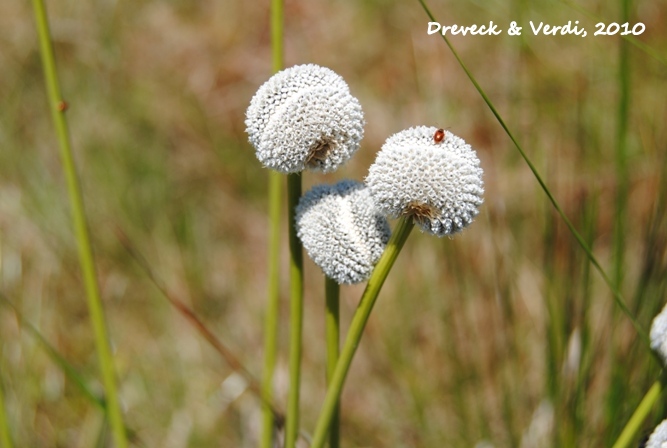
x=230 y=358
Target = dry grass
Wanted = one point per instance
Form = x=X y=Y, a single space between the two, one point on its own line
x=471 y=336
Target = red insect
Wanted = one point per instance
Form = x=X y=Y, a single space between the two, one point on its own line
x=439 y=135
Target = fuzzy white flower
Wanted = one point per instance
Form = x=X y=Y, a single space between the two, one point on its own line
x=658 y=438
x=659 y=334
x=304 y=117
x=432 y=175
x=342 y=230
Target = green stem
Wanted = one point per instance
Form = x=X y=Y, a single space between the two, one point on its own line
x=332 y=293
x=635 y=423
x=272 y=309
x=357 y=326
x=296 y=311
x=5 y=439
x=58 y=107
x=277 y=54
x=275 y=198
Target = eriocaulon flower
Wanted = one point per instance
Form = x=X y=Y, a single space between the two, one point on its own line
x=431 y=175
x=342 y=230
x=304 y=117
x=659 y=334
x=658 y=438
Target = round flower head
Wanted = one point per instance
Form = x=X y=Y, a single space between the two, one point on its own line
x=431 y=175
x=342 y=230
x=658 y=438
x=659 y=334
x=304 y=117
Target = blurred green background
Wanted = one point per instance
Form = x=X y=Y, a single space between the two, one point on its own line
x=503 y=334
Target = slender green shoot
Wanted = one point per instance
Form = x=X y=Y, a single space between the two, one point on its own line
x=272 y=308
x=332 y=293
x=273 y=302
x=296 y=311
x=618 y=298
x=332 y=398
x=618 y=386
x=58 y=107
x=621 y=153
x=634 y=425
x=5 y=439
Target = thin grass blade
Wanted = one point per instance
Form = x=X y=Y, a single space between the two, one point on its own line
x=58 y=107
x=618 y=298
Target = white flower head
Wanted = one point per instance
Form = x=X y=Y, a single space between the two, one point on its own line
x=304 y=117
x=342 y=230
x=658 y=438
x=659 y=334
x=431 y=175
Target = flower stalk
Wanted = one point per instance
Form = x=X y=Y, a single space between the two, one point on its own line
x=273 y=301
x=332 y=398
x=332 y=294
x=634 y=425
x=296 y=311
x=58 y=108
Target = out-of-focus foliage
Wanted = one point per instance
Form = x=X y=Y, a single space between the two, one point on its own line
x=499 y=334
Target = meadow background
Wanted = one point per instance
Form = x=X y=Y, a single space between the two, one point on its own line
x=502 y=336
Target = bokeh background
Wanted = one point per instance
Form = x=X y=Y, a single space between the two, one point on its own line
x=501 y=336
